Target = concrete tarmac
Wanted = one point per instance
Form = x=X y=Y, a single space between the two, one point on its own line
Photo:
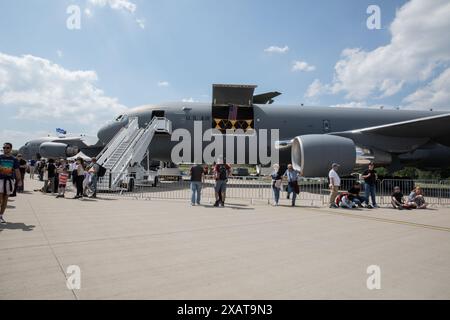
x=137 y=249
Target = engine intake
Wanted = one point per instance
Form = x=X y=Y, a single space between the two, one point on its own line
x=57 y=150
x=315 y=153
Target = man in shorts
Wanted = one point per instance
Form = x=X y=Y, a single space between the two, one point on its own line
x=9 y=172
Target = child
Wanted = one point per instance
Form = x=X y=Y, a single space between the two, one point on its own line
x=62 y=181
x=397 y=200
x=417 y=199
x=343 y=201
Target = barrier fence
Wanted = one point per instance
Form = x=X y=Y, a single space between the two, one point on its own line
x=313 y=192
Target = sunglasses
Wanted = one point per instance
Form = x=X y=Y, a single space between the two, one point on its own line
x=7 y=148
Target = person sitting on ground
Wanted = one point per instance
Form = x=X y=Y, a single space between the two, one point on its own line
x=398 y=201
x=343 y=201
x=354 y=194
x=416 y=198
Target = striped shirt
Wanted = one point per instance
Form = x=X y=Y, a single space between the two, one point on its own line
x=63 y=178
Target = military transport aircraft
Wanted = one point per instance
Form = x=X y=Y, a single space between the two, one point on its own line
x=58 y=147
x=310 y=138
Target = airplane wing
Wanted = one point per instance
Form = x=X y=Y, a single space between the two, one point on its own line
x=405 y=135
x=433 y=127
x=265 y=98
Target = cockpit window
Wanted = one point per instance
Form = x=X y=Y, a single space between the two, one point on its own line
x=119 y=117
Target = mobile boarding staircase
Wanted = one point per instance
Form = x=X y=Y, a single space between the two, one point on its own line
x=127 y=149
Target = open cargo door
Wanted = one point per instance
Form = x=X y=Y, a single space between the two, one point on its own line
x=232 y=107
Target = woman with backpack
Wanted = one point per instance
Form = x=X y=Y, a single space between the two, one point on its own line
x=221 y=173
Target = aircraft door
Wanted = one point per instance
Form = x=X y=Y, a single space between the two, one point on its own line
x=158 y=113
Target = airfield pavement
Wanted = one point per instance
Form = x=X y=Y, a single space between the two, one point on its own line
x=155 y=249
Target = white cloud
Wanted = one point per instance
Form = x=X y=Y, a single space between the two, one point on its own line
x=275 y=49
x=163 y=84
x=419 y=43
x=302 y=66
x=188 y=100
x=59 y=53
x=435 y=95
x=19 y=137
x=316 y=88
x=141 y=23
x=33 y=88
x=115 y=4
x=119 y=5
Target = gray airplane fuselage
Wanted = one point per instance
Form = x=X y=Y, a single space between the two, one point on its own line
x=291 y=121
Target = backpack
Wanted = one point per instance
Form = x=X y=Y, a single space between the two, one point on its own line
x=223 y=174
x=339 y=197
x=343 y=200
x=101 y=171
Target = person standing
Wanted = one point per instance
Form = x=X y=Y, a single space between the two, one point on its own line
x=9 y=168
x=32 y=165
x=23 y=170
x=93 y=170
x=44 y=177
x=51 y=171
x=292 y=178
x=196 y=172
x=370 y=181
x=221 y=173
x=276 y=184
x=73 y=171
x=79 y=178
x=335 y=183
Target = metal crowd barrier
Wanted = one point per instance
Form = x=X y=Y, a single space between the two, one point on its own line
x=313 y=192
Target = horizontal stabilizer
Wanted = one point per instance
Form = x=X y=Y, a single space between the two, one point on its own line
x=265 y=98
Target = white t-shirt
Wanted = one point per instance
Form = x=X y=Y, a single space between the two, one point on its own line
x=333 y=174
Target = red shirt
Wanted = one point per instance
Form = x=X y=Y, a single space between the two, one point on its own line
x=63 y=178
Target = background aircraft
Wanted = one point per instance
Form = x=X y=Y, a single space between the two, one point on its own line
x=58 y=147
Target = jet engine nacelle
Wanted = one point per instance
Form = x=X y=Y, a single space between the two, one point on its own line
x=57 y=150
x=315 y=153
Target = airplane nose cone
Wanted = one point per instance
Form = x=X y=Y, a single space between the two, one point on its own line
x=108 y=131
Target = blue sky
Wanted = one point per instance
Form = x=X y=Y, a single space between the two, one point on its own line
x=186 y=45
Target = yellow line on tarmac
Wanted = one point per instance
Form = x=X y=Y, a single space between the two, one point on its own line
x=412 y=224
